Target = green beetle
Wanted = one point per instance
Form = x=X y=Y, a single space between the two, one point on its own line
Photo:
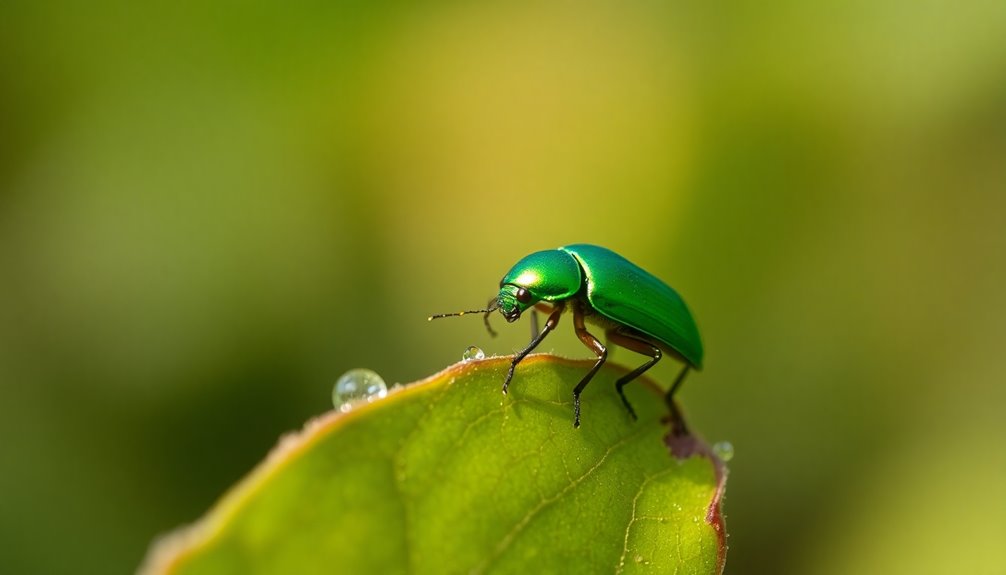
x=637 y=311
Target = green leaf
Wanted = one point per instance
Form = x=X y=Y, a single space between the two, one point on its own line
x=447 y=475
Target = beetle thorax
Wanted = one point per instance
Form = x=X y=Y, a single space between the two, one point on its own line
x=550 y=276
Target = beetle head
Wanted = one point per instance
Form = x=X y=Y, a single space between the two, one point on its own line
x=514 y=300
x=550 y=275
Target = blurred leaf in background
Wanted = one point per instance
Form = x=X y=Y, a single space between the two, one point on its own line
x=208 y=211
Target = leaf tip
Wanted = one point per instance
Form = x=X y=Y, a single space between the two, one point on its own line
x=684 y=446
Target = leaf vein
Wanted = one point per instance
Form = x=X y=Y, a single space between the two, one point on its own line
x=509 y=538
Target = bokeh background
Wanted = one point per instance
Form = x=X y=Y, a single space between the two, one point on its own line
x=209 y=211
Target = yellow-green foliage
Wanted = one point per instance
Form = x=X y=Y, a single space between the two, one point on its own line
x=447 y=476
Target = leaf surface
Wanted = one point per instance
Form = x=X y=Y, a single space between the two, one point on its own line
x=447 y=475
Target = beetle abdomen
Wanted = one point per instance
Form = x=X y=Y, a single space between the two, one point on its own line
x=629 y=295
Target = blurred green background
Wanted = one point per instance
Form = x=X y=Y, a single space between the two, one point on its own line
x=209 y=211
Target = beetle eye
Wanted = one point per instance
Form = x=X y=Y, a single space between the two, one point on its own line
x=523 y=296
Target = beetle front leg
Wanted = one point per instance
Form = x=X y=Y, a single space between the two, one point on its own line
x=547 y=309
x=553 y=320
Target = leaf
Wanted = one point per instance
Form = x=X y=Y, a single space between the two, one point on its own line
x=447 y=475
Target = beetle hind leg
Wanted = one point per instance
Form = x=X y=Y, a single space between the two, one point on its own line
x=678 y=427
x=637 y=345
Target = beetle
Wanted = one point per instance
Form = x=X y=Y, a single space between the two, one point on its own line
x=637 y=311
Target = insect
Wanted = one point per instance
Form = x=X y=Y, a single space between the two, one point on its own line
x=637 y=311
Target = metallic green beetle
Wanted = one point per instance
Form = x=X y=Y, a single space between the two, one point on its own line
x=637 y=311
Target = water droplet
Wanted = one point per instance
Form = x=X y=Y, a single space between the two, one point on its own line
x=357 y=384
x=724 y=450
x=638 y=558
x=473 y=352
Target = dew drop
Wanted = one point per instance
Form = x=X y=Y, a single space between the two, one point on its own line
x=357 y=385
x=724 y=450
x=473 y=352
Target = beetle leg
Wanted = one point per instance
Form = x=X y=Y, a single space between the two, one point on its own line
x=637 y=345
x=645 y=347
x=550 y=323
x=540 y=307
x=677 y=421
x=492 y=306
x=597 y=347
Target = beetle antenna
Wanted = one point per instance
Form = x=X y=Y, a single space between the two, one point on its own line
x=492 y=306
x=458 y=313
